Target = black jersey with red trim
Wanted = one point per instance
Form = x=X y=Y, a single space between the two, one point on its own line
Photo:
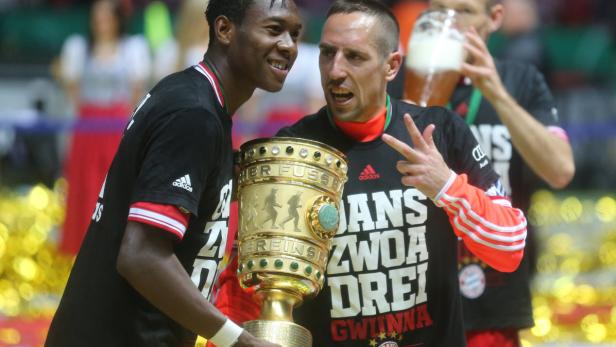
x=503 y=300
x=392 y=273
x=176 y=151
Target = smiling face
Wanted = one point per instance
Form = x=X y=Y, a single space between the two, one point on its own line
x=354 y=70
x=265 y=45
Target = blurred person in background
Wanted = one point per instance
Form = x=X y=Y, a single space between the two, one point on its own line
x=144 y=273
x=511 y=112
x=521 y=29
x=188 y=45
x=104 y=76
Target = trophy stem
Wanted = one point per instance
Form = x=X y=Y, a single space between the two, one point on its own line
x=275 y=323
x=277 y=305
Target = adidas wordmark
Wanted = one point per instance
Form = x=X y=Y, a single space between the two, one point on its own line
x=183 y=182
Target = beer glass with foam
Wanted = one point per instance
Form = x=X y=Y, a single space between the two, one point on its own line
x=435 y=55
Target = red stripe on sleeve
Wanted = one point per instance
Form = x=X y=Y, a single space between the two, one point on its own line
x=166 y=217
x=491 y=229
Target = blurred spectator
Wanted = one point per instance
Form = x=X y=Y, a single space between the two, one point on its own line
x=29 y=152
x=190 y=43
x=104 y=75
x=521 y=29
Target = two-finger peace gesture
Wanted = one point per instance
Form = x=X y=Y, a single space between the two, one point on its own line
x=424 y=167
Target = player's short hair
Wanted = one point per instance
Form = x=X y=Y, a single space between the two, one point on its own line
x=235 y=10
x=389 y=27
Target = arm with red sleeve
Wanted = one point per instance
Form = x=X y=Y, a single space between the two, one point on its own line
x=485 y=220
x=492 y=229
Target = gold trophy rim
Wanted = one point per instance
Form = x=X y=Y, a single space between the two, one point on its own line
x=295 y=140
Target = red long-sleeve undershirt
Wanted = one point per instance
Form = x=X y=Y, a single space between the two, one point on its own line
x=489 y=226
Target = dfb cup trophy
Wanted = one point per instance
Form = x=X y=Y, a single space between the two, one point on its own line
x=435 y=55
x=289 y=192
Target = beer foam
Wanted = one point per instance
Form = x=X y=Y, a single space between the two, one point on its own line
x=428 y=54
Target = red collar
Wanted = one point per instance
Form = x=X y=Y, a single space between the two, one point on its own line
x=366 y=131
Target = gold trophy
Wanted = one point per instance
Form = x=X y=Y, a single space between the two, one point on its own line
x=289 y=191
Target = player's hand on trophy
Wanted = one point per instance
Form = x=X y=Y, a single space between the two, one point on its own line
x=249 y=340
x=480 y=67
x=424 y=167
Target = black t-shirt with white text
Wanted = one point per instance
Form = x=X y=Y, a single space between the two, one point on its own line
x=492 y=299
x=504 y=299
x=176 y=150
x=391 y=279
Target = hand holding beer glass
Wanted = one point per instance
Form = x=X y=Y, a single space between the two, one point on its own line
x=435 y=56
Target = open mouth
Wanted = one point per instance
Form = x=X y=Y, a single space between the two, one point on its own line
x=341 y=95
x=278 y=65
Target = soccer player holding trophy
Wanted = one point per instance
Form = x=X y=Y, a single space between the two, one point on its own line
x=417 y=182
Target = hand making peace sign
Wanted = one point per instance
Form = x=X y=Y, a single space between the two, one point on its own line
x=424 y=167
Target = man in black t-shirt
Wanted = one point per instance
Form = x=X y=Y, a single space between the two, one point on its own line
x=512 y=114
x=392 y=272
x=144 y=272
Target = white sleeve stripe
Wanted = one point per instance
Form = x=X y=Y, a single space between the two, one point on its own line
x=521 y=235
x=157 y=217
x=512 y=248
x=450 y=180
x=464 y=204
x=502 y=202
x=162 y=225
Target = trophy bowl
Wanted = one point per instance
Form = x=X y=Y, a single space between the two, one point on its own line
x=289 y=192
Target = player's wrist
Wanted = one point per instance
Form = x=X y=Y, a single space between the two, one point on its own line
x=499 y=97
x=227 y=335
x=452 y=177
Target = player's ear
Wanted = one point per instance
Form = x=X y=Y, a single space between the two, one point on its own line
x=224 y=30
x=392 y=65
x=496 y=13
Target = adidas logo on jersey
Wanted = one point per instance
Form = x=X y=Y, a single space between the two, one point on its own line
x=368 y=174
x=184 y=183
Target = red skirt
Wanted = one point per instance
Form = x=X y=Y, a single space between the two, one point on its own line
x=91 y=151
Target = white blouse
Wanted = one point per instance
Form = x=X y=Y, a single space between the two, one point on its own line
x=105 y=81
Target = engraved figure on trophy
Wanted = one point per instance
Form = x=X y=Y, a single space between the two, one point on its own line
x=294 y=205
x=249 y=213
x=269 y=206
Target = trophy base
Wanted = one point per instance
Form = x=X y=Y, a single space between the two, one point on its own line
x=286 y=334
